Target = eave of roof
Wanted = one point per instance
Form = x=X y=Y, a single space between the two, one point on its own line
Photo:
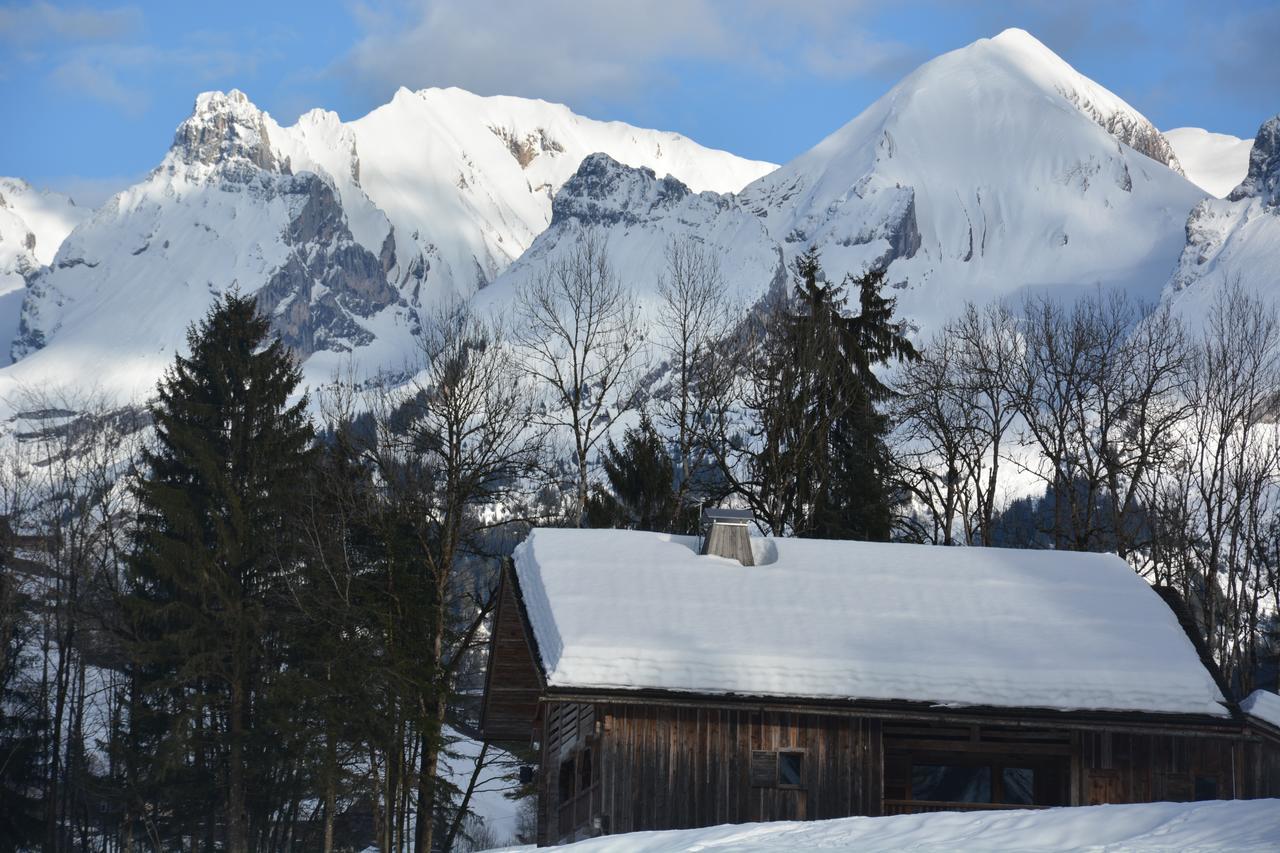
x=903 y=709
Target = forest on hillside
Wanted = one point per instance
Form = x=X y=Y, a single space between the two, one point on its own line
x=250 y=618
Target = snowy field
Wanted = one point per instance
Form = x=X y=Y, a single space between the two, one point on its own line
x=1251 y=825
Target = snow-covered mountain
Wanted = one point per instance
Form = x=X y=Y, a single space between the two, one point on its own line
x=345 y=231
x=1234 y=240
x=992 y=170
x=1215 y=162
x=33 y=224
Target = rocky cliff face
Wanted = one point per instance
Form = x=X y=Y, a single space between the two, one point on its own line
x=603 y=193
x=1263 y=178
x=1130 y=128
x=223 y=210
x=223 y=130
x=1234 y=242
x=329 y=282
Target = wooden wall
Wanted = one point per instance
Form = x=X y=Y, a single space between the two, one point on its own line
x=654 y=767
x=663 y=767
x=513 y=683
x=569 y=735
x=1263 y=760
x=1120 y=767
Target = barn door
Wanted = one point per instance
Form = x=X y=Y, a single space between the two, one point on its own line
x=1104 y=787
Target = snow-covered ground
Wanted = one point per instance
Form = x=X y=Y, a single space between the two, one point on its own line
x=1239 y=825
x=489 y=802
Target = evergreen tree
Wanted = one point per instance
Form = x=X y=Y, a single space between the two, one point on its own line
x=816 y=459
x=642 y=488
x=216 y=500
x=21 y=723
x=858 y=500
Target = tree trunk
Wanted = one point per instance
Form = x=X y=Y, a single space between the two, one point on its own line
x=237 y=832
x=330 y=790
x=426 y=793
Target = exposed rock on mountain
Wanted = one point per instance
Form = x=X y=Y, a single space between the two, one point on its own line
x=603 y=192
x=1262 y=181
x=1236 y=240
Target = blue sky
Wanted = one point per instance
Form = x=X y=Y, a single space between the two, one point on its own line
x=93 y=91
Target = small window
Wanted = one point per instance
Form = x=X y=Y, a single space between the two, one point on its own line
x=1018 y=786
x=949 y=783
x=1206 y=787
x=566 y=780
x=790 y=769
x=771 y=769
x=584 y=770
x=764 y=768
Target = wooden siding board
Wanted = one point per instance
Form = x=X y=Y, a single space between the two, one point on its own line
x=688 y=765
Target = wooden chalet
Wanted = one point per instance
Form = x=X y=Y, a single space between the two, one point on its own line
x=666 y=688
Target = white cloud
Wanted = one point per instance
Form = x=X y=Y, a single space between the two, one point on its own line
x=34 y=22
x=563 y=49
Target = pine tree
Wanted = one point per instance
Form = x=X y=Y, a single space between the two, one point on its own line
x=858 y=500
x=642 y=491
x=21 y=724
x=819 y=465
x=215 y=501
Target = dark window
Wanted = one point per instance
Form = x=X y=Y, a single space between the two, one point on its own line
x=950 y=783
x=566 y=781
x=1206 y=787
x=584 y=770
x=1018 y=786
x=764 y=768
x=790 y=769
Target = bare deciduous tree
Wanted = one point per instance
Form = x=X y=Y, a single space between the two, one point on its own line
x=580 y=334
x=693 y=317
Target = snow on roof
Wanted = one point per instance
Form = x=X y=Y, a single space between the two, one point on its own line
x=614 y=609
x=1264 y=705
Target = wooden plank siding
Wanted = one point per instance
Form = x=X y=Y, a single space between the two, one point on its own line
x=683 y=765
x=1263 y=762
x=513 y=679
x=1124 y=767
x=569 y=739
x=680 y=767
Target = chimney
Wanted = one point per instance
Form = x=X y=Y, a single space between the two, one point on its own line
x=726 y=534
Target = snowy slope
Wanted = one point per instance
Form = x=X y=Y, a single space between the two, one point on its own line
x=1215 y=162
x=1234 y=240
x=346 y=231
x=640 y=214
x=989 y=171
x=33 y=224
x=618 y=609
x=47 y=216
x=1209 y=827
x=489 y=801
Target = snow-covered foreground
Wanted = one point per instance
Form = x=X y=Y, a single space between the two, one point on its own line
x=1252 y=825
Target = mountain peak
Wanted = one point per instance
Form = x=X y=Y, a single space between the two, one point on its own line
x=223 y=128
x=1263 y=178
x=605 y=192
x=1020 y=38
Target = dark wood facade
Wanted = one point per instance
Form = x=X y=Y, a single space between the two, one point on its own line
x=624 y=761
